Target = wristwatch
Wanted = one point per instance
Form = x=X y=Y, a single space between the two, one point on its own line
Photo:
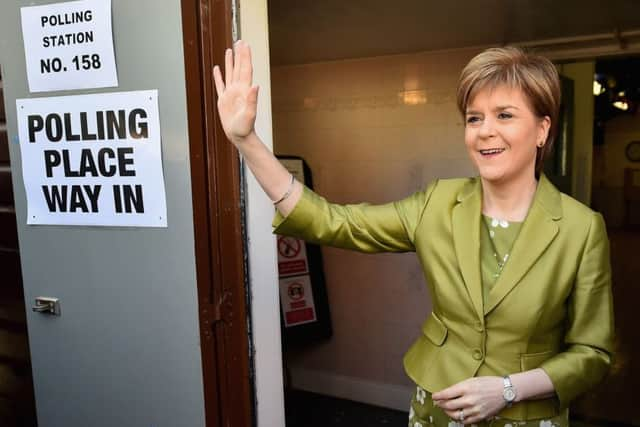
x=509 y=391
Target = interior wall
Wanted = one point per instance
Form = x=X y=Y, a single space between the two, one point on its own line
x=261 y=247
x=582 y=75
x=371 y=130
x=610 y=163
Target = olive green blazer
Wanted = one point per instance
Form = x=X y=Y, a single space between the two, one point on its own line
x=550 y=308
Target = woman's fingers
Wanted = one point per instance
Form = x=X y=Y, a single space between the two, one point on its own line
x=228 y=66
x=449 y=393
x=471 y=416
x=237 y=60
x=238 y=67
x=252 y=101
x=246 y=67
x=455 y=415
x=217 y=79
x=453 y=404
x=252 y=96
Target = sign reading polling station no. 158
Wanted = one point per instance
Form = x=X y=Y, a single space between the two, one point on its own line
x=69 y=45
x=93 y=159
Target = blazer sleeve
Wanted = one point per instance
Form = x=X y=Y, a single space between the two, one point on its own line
x=589 y=335
x=362 y=227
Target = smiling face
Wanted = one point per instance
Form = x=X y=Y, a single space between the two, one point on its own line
x=502 y=133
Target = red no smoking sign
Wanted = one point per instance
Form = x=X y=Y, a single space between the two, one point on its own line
x=292 y=256
x=289 y=247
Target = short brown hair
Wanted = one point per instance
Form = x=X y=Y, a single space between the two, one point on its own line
x=534 y=75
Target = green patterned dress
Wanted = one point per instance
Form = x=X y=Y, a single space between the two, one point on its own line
x=496 y=240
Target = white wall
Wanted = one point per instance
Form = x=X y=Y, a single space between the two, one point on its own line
x=371 y=130
x=265 y=308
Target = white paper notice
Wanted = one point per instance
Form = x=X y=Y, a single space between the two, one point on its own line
x=93 y=159
x=69 y=46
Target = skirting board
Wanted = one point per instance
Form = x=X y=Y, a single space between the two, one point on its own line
x=359 y=390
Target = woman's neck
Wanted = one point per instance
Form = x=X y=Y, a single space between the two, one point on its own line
x=509 y=201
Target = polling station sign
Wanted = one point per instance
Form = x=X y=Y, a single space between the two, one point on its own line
x=93 y=159
x=69 y=45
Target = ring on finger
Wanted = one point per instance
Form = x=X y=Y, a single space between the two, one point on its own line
x=461 y=415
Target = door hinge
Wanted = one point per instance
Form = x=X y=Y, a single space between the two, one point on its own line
x=221 y=311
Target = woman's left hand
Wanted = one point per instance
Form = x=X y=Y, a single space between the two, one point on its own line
x=479 y=398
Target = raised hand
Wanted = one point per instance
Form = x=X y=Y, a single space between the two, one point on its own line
x=237 y=97
x=237 y=106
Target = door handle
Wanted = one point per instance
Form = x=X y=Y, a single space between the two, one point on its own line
x=47 y=305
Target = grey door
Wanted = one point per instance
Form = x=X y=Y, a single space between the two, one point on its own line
x=125 y=350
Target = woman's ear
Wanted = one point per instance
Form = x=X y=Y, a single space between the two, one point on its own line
x=545 y=127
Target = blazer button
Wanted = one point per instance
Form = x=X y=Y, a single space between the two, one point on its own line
x=477 y=354
x=478 y=326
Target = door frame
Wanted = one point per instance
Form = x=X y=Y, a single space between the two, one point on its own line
x=218 y=223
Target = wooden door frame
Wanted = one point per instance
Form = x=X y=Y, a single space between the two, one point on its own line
x=218 y=223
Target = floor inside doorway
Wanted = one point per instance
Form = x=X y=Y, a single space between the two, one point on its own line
x=305 y=409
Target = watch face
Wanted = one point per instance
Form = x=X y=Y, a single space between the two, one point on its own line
x=633 y=151
x=509 y=394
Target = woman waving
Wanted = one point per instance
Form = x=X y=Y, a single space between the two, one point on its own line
x=518 y=272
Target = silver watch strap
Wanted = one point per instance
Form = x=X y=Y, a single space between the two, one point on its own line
x=507 y=381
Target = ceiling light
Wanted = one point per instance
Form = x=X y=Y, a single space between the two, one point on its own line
x=621 y=105
x=598 y=89
x=413 y=97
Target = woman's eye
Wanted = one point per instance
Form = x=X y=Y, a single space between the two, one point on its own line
x=473 y=119
x=505 y=116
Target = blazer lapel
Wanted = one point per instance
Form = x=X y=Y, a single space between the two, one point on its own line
x=466 y=239
x=537 y=233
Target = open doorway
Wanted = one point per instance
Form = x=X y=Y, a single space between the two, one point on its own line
x=366 y=95
x=616 y=194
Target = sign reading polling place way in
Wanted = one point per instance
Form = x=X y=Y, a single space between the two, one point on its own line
x=69 y=45
x=93 y=159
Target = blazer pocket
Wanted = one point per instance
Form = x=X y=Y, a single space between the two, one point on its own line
x=534 y=360
x=435 y=330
